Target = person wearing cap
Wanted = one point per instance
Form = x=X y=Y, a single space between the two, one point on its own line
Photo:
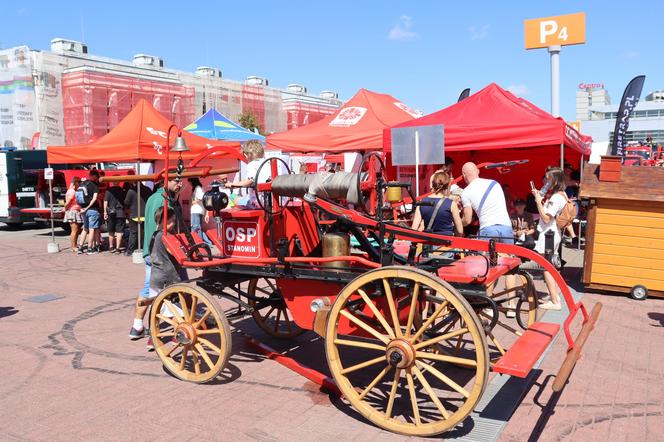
x=523 y=224
x=155 y=201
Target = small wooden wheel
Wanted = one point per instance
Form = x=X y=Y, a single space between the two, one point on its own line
x=399 y=375
x=270 y=311
x=190 y=332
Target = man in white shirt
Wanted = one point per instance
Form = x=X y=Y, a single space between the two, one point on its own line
x=487 y=200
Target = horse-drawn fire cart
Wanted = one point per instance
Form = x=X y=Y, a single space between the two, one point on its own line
x=410 y=334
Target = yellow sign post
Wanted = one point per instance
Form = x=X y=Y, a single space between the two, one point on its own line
x=552 y=33
x=561 y=30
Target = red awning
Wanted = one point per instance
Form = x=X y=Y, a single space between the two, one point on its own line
x=357 y=126
x=493 y=118
x=140 y=136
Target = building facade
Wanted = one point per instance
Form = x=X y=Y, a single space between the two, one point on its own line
x=597 y=116
x=68 y=96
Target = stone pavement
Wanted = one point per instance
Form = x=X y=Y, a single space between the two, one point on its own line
x=71 y=373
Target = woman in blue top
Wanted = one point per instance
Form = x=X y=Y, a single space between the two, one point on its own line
x=442 y=214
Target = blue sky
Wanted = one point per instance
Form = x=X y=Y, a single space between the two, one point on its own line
x=423 y=53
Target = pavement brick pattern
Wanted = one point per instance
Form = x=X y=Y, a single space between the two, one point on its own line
x=71 y=373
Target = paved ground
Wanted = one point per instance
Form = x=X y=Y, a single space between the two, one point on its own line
x=70 y=372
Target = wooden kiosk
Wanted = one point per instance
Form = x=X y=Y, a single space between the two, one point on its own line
x=625 y=229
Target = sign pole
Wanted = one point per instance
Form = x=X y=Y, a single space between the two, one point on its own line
x=137 y=256
x=555 y=91
x=52 y=247
x=417 y=163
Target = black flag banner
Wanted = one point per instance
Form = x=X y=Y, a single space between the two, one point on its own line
x=464 y=94
x=629 y=100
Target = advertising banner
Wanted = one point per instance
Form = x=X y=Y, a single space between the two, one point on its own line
x=627 y=104
x=48 y=91
x=18 y=122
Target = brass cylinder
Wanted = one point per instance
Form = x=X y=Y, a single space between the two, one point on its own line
x=393 y=194
x=336 y=244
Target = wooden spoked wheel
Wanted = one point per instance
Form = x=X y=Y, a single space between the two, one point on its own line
x=190 y=332
x=399 y=375
x=270 y=310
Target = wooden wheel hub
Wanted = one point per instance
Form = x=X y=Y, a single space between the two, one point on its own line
x=185 y=334
x=400 y=354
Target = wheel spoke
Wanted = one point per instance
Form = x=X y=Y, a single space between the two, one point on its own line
x=172 y=349
x=376 y=312
x=288 y=321
x=359 y=344
x=166 y=333
x=503 y=325
x=208 y=331
x=277 y=320
x=203 y=318
x=392 y=307
x=269 y=312
x=183 y=357
x=183 y=306
x=437 y=339
x=446 y=380
x=174 y=311
x=362 y=365
x=376 y=380
x=204 y=355
x=197 y=365
x=411 y=312
x=192 y=312
x=432 y=394
x=429 y=321
x=496 y=343
x=209 y=345
x=363 y=325
x=444 y=358
x=413 y=398
x=272 y=286
x=167 y=320
x=393 y=393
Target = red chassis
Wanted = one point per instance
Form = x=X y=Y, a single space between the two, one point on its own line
x=410 y=337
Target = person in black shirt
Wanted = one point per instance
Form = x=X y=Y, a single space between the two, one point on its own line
x=91 y=210
x=136 y=207
x=114 y=215
x=523 y=225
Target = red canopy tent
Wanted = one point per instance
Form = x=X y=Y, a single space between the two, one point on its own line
x=140 y=136
x=493 y=125
x=357 y=126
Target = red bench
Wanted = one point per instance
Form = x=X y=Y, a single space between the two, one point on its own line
x=524 y=353
x=475 y=269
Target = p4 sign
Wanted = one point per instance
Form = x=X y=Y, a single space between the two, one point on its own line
x=241 y=239
x=560 y=30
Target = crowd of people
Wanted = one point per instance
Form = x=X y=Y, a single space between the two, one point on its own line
x=450 y=211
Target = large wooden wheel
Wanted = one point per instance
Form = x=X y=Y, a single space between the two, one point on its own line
x=271 y=313
x=399 y=375
x=190 y=332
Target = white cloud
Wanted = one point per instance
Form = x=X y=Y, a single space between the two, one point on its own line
x=478 y=32
x=518 y=89
x=402 y=31
x=630 y=55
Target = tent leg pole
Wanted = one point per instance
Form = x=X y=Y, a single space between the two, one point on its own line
x=562 y=156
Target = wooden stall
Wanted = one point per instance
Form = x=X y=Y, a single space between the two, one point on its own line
x=625 y=230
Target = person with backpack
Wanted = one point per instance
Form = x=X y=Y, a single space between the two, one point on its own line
x=556 y=213
x=87 y=196
x=114 y=215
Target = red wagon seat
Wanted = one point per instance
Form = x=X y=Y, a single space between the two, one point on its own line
x=473 y=269
x=524 y=353
x=178 y=245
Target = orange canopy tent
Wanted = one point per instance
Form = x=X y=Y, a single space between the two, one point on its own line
x=140 y=136
x=357 y=126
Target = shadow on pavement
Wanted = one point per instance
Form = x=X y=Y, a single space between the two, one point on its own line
x=657 y=317
x=7 y=311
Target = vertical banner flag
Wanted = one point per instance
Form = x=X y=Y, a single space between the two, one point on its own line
x=464 y=94
x=629 y=100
